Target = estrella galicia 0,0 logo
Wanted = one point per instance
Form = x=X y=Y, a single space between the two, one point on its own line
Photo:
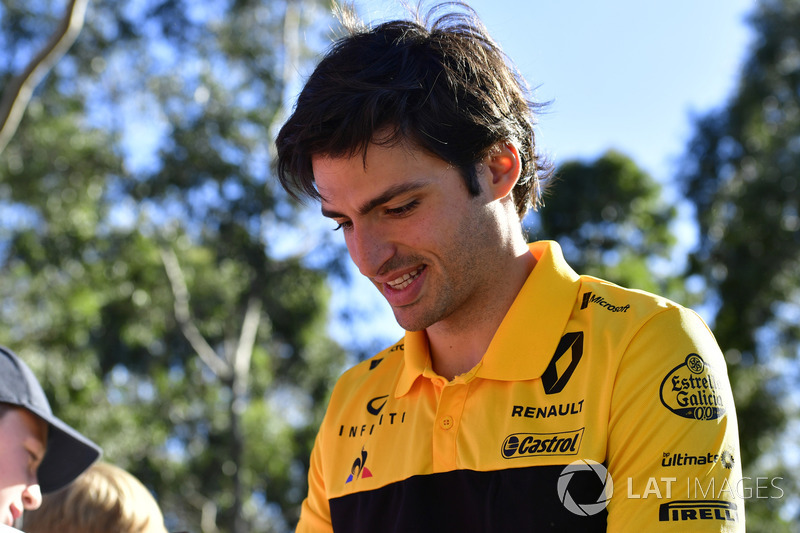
x=691 y=391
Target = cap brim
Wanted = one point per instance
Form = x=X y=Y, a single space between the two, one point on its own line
x=68 y=454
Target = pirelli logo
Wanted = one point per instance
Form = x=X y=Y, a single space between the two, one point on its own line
x=691 y=510
x=519 y=445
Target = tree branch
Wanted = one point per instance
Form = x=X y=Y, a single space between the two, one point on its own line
x=20 y=89
x=291 y=56
x=184 y=317
x=208 y=510
x=247 y=339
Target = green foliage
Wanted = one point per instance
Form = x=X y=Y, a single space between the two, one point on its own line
x=153 y=133
x=742 y=176
x=611 y=220
x=87 y=219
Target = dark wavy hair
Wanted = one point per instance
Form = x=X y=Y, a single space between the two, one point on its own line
x=440 y=82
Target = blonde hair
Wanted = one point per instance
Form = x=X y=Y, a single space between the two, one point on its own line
x=104 y=499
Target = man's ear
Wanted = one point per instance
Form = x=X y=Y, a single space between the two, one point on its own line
x=504 y=164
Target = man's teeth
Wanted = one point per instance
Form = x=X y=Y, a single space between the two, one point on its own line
x=404 y=281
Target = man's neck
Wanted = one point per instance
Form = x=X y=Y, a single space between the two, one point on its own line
x=458 y=343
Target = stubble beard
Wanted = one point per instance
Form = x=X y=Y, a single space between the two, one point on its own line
x=459 y=279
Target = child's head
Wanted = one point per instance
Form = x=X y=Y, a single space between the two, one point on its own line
x=102 y=499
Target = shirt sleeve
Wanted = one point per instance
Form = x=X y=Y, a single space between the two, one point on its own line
x=673 y=443
x=315 y=515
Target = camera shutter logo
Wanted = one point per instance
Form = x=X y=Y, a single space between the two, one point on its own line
x=585 y=509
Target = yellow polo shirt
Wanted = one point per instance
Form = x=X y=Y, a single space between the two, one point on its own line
x=595 y=408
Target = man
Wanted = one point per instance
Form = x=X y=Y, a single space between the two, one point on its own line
x=521 y=391
x=38 y=452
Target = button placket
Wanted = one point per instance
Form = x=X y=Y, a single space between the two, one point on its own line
x=445 y=430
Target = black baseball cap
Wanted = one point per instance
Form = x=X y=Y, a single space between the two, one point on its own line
x=68 y=452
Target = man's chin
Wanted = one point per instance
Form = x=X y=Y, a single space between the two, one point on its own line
x=410 y=321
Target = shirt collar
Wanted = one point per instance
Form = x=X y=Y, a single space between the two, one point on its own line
x=529 y=334
x=416 y=361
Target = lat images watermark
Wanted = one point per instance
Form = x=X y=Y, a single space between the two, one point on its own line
x=697 y=490
x=746 y=488
x=583 y=466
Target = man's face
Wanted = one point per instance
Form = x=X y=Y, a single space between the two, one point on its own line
x=23 y=438
x=413 y=229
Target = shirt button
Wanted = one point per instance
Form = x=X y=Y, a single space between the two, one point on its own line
x=446 y=422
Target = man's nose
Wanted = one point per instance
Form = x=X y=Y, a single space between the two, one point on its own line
x=370 y=248
x=32 y=497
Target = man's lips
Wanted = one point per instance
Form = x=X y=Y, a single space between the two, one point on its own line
x=405 y=280
x=404 y=289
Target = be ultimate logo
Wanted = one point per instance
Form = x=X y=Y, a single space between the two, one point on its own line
x=726 y=458
x=599 y=300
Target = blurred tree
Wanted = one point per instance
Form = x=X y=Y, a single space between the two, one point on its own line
x=150 y=269
x=613 y=222
x=743 y=176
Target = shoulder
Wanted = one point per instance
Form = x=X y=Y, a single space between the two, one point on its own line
x=653 y=343
x=386 y=360
x=634 y=319
x=602 y=295
x=380 y=371
x=620 y=308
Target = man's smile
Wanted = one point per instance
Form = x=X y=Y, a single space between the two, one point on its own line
x=405 y=280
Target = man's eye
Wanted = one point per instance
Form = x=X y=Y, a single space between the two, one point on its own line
x=404 y=209
x=346 y=225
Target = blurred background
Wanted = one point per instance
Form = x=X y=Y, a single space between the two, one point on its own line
x=182 y=312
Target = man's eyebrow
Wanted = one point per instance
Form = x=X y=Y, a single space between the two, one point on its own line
x=385 y=196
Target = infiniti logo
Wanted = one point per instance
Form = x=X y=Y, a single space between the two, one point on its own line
x=372 y=408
